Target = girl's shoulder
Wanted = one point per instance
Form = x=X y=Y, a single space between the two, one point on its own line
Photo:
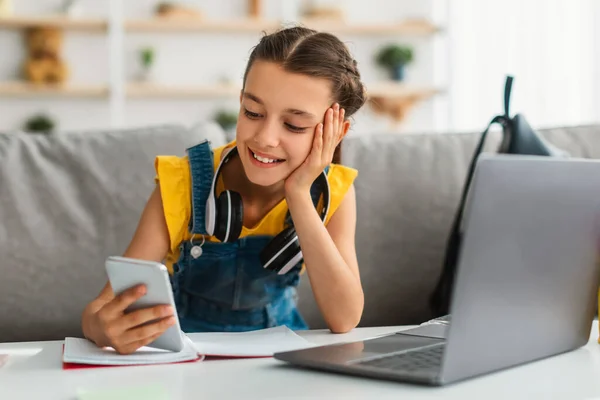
x=340 y=178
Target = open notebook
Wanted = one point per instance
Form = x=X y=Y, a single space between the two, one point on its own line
x=261 y=343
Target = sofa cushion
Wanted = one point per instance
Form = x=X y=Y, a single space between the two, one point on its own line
x=67 y=201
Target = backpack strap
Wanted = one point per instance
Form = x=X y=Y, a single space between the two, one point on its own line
x=440 y=299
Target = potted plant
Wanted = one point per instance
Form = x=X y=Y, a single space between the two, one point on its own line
x=40 y=123
x=395 y=57
x=147 y=58
x=228 y=121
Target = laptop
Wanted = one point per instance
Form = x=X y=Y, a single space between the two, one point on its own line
x=526 y=284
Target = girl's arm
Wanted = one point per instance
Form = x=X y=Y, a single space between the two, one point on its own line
x=329 y=252
x=330 y=259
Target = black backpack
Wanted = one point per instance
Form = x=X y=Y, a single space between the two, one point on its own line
x=517 y=138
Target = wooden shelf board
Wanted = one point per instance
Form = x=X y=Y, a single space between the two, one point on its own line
x=393 y=89
x=142 y=90
x=25 y=89
x=257 y=25
x=172 y=25
x=387 y=90
x=400 y=28
x=59 y=21
x=408 y=27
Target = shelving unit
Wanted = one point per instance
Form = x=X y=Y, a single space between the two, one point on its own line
x=139 y=90
x=25 y=22
x=118 y=90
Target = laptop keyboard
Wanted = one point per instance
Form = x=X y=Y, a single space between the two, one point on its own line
x=414 y=360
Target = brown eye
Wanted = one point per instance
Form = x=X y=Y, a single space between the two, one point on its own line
x=251 y=115
x=295 y=128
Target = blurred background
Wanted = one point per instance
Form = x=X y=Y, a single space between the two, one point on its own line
x=429 y=65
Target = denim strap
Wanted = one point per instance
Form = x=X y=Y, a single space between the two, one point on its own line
x=202 y=170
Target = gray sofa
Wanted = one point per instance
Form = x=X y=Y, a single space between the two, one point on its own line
x=69 y=200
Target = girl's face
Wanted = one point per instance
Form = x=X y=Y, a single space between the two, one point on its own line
x=276 y=125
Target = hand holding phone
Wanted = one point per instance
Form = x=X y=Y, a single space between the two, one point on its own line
x=142 y=313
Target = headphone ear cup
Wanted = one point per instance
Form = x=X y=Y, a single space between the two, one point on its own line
x=268 y=256
x=237 y=216
x=230 y=216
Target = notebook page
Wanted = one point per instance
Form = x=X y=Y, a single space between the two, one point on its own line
x=259 y=343
x=82 y=351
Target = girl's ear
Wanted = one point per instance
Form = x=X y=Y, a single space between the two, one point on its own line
x=345 y=128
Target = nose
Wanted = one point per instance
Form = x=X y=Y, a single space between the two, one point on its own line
x=267 y=135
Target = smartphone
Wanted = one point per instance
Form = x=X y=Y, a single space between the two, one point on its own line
x=124 y=273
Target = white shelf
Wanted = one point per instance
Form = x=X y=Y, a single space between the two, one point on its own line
x=25 y=89
x=59 y=21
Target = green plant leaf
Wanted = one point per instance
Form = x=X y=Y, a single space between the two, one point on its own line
x=393 y=55
x=147 y=56
x=40 y=123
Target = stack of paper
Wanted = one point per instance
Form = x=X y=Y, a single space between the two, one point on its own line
x=261 y=343
x=82 y=351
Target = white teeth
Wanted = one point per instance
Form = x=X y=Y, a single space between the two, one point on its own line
x=262 y=159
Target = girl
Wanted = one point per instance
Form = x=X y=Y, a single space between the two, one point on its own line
x=233 y=251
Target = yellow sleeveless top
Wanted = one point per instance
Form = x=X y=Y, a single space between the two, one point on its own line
x=173 y=174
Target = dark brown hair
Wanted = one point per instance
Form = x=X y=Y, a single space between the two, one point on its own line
x=317 y=54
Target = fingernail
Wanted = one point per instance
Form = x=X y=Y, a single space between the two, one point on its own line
x=168 y=310
x=171 y=321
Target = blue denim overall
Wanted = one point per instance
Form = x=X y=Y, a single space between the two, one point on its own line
x=227 y=289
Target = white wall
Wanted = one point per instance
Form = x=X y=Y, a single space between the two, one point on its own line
x=551 y=47
x=200 y=58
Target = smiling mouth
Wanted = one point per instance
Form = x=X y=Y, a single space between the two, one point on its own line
x=265 y=160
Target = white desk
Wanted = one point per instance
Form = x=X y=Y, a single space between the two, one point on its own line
x=34 y=372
